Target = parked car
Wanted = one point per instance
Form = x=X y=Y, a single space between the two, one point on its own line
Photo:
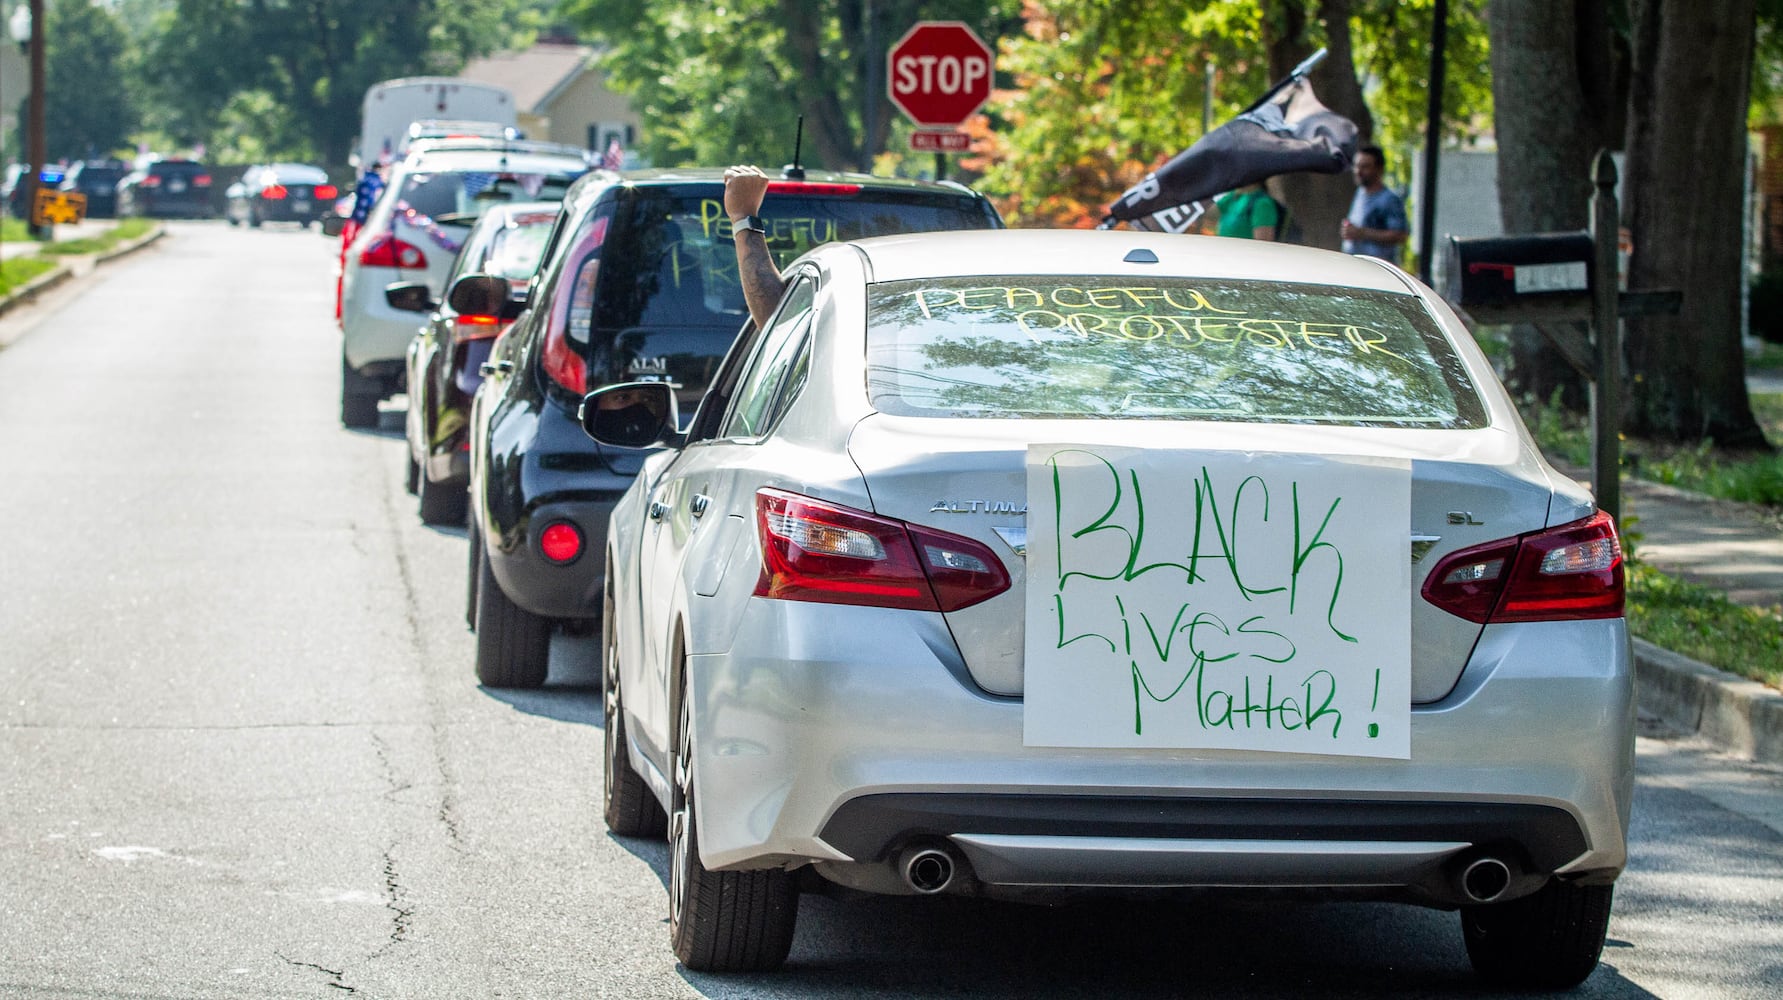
x=168 y=189
x=280 y=192
x=98 y=181
x=640 y=283
x=445 y=358
x=414 y=232
x=14 y=189
x=1029 y=563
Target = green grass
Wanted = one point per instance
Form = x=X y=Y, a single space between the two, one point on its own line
x=126 y=230
x=15 y=272
x=1768 y=358
x=13 y=230
x=1701 y=623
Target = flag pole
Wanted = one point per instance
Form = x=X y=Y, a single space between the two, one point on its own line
x=1299 y=73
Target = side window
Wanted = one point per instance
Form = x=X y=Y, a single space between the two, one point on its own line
x=754 y=405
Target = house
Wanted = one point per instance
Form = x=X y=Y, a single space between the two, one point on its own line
x=561 y=95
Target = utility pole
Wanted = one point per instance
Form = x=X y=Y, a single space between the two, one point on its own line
x=34 y=153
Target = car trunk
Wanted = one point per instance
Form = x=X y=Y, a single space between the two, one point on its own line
x=928 y=472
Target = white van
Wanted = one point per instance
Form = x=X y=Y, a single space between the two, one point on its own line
x=392 y=106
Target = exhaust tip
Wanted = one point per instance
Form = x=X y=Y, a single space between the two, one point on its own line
x=928 y=870
x=1485 y=879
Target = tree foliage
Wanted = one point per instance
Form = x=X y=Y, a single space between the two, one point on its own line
x=86 y=101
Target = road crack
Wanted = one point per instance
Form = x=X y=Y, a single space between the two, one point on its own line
x=334 y=975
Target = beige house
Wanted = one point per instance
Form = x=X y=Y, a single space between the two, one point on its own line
x=561 y=96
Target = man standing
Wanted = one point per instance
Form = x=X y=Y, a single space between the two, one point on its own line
x=1376 y=225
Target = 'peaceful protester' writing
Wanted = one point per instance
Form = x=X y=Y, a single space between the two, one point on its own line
x=1217 y=600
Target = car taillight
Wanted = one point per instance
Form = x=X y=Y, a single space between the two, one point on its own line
x=816 y=551
x=201 y=180
x=275 y=192
x=561 y=542
x=388 y=251
x=562 y=364
x=476 y=328
x=813 y=188
x=1566 y=573
x=151 y=181
x=327 y=192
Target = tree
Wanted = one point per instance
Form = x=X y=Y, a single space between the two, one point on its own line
x=727 y=84
x=87 y=107
x=1683 y=202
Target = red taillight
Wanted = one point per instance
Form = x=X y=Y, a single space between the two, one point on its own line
x=151 y=181
x=815 y=551
x=819 y=188
x=201 y=180
x=327 y=192
x=1558 y=574
x=275 y=192
x=476 y=328
x=561 y=542
x=388 y=251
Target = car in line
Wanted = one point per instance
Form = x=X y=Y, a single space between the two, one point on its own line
x=279 y=192
x=1035 y=564
x=14 y=189
x=171 y=188
x=445 y=357
x=640 y=282
x=413 y=234
x=98 y=181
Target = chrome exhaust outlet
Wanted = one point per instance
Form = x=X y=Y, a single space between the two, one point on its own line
x=1485 y=879
x=928 y=870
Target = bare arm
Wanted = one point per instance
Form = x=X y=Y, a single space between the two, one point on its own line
x=744 y=188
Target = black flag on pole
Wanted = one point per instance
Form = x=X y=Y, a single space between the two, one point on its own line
x=1286 y=132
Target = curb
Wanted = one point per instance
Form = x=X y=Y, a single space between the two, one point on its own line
x=1742 y=715
x=62 y=272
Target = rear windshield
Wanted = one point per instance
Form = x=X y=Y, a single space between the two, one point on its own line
x=1193 y=349
x=515 y=249
x=167 y=168
x=458 y=196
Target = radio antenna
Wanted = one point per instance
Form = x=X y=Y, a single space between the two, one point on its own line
x=793 y=171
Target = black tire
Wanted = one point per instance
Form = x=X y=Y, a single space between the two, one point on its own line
x=359 y=398
x=513 y=644
x=411 y=481
x=737 y=921
x=441 y=503
x=1549 y=940
x=629 y=807
x=470 y=577
x=254 y=219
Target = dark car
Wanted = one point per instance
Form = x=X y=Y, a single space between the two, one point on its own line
x=445 y=357
x=16 y=188
x=167 y=189
x=98 y=181
x=279 y=192
x=639 y=283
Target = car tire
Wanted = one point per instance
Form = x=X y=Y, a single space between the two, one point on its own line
x=440 y=503
x=359 y=398
x=513 y=644
x=1550 y=940
x=629 y=807
x=411 y=480
x=254 y=220
x=734 y=921
x=475 y=538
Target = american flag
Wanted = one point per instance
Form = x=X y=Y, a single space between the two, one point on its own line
x=475 y=182
x=615 y=158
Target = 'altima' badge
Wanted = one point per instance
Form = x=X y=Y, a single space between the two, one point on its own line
x=978 y=507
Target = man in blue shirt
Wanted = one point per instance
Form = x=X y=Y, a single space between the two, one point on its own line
x=1376 y=225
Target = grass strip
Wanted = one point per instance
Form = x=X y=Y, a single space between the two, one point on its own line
x=16 y=272
x=128 y=229
x=1701 y=623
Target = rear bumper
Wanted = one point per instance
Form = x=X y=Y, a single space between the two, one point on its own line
x=373 y=331
x=848 y=752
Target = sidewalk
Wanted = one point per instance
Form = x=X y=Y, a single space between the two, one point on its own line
x=67 y=267
x=79 y=230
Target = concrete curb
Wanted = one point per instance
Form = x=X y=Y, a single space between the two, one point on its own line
x=63 y=270
x=136 y=244
x=1742 y=715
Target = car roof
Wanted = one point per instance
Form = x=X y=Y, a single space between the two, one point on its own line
x=510 y=159
x=1131 y=253
x=421 y=147
x=697 y=175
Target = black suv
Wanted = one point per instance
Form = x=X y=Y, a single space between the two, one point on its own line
x=639 y=283
x=98 y=180
x=167 y=189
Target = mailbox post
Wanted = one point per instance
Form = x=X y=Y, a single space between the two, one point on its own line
x=1546 y=277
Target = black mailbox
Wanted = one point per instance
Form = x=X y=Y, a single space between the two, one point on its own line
x=1518 y=270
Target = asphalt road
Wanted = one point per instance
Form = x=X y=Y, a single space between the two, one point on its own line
x=245 y=755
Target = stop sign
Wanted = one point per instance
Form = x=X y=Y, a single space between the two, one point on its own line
x=939 y=73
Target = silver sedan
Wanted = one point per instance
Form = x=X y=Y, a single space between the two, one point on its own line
x=1027 y=564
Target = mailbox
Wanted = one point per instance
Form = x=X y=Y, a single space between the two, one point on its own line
x=1538 y=268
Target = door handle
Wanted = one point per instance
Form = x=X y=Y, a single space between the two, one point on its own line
x=698 y=504
x=488 y=368
x=658 y=509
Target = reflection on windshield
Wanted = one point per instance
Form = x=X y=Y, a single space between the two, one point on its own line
x=1205 y=350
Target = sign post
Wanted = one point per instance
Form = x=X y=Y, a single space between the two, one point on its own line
x=52 y=207
x=939 y=75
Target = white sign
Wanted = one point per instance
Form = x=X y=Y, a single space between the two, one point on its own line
x=1218 y=600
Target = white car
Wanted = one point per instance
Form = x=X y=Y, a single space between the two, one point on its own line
x=413 y=234
x=1024 y=563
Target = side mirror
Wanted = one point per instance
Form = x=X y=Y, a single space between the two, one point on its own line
x=478 y=295
x=333 y=224
x=630 y=414
x=410 y=296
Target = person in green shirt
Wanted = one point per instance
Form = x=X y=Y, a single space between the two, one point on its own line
x=1248 y=213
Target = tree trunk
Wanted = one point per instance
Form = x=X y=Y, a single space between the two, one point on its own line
x=1317 y=203
x=1552 y=76
x=1683 y=203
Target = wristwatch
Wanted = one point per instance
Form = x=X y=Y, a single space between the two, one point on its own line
x=748 y=222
